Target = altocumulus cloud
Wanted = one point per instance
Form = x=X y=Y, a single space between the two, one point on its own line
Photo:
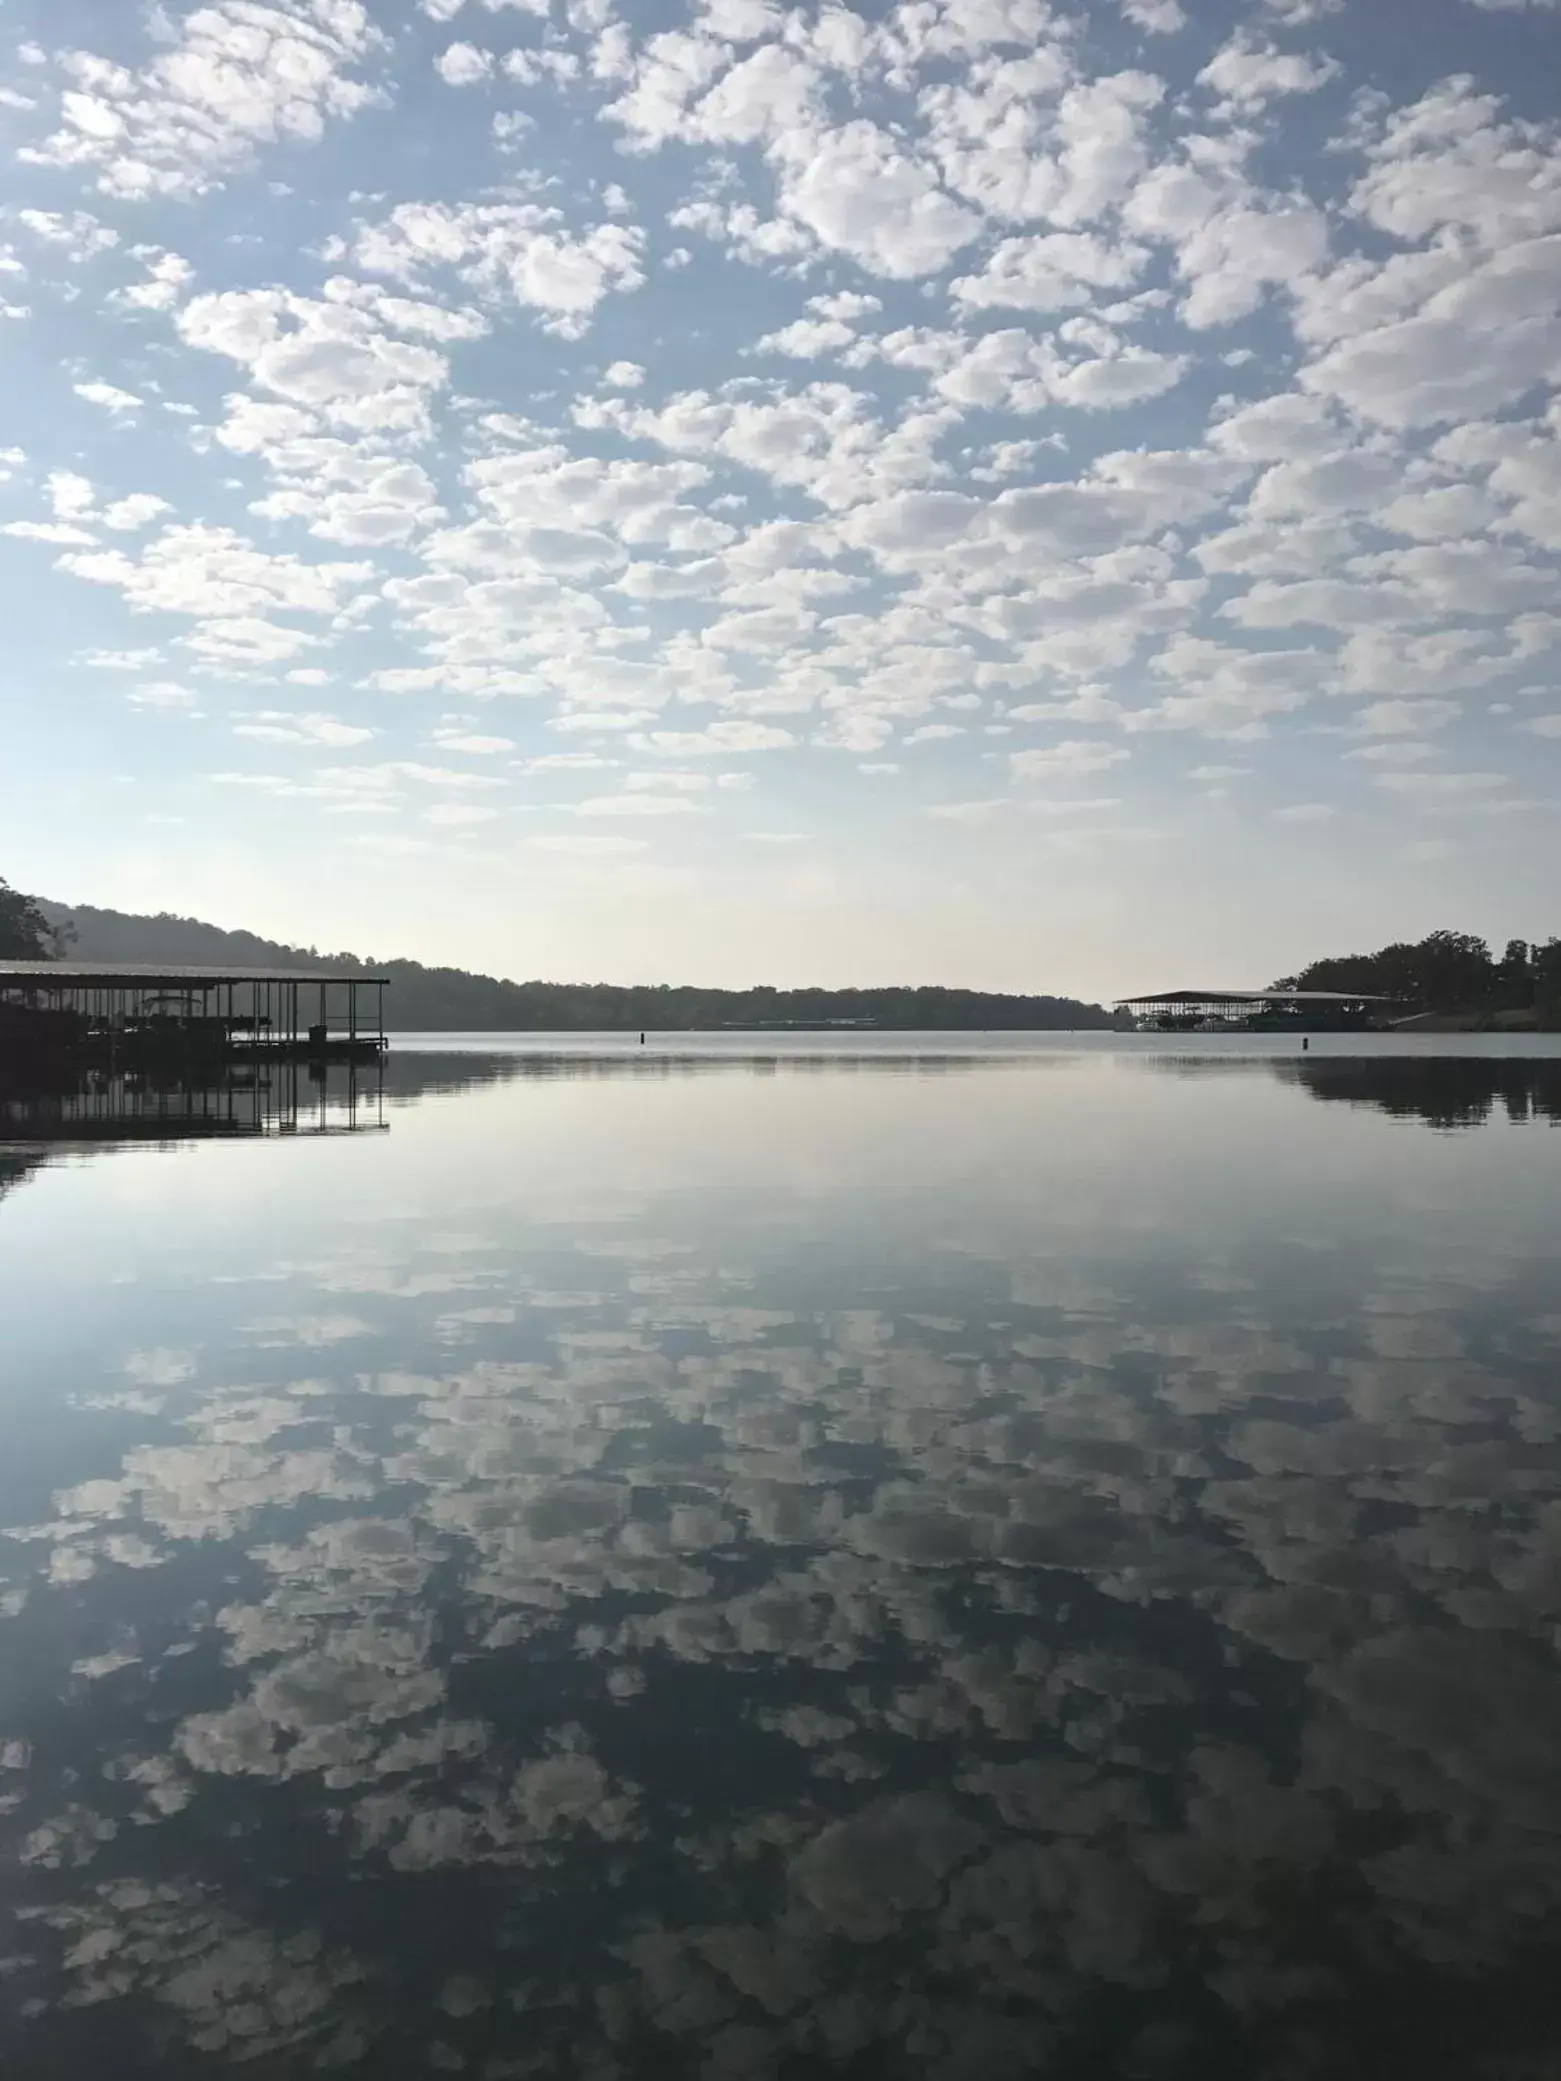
x=1057 y=391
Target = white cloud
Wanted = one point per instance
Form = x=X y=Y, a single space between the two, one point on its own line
x=71 y=497
x=1443 y=336
x=981 y=448
x=1306 y=813
x=846 y=306
x=241 y=74
x=1066 y=761
x=164 y=696
x=858 y=193
x=168 y=275
x=758 y=241
x=1247 y=73
x=717 y=740
x=1404 y=718
x=674 y=782
x=1236 y=254
x=458 y=815
x=59 y=532
x=78 y=234
x=670 y=93
x=765 y=630
x=108 y=399
x=806 y=339
x=119 y=660
x=1443 y=790
x=275 y=726
x=321 y=356
x=1287 y=427
x=342 y=494
x=1352 y=482
x=565 y=762
x=230 y=589
x=1130 y=377
x=1224 y=692
x=1393 y=751
x=129 y=515
x=635 y=805
x=510 y=251
x=975 y=812
x=463 y=65
x=1033 y=143
x=586 y=847
x=1054 y=271
x=825 y=438
x=510 y=127
x=1158 y=17
x=472 y=744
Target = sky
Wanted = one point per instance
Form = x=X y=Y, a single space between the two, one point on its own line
x=1055 y=498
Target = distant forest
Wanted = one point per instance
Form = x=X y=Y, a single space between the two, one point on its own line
x=451 y=1000
x=1451 y=972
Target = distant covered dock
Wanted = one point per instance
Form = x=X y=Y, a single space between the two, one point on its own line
x=1210 y=1011
x=65 y=1014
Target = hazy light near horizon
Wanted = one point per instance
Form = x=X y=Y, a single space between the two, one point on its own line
x=1043 y=497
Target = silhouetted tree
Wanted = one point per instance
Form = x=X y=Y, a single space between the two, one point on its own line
x=1547 y=978
x=25 y=933
x=1444 y=972
x=1515 y=977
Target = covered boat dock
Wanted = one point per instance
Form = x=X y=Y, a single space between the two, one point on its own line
x=73 y=1015
x=1249 y=1011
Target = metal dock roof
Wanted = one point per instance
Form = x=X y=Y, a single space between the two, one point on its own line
x=1255 y=997
x=68 y=974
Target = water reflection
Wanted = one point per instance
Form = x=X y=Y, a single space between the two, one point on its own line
x=15 y=1169
x=1442 y=1090
x=1443 y=1093
x=414 y=1074
x=248 y=1100
x=625 y=1644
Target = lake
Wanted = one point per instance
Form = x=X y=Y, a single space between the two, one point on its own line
x=936 y=1556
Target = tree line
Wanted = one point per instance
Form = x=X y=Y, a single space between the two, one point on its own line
x=1446 y=972
x=453 y=1000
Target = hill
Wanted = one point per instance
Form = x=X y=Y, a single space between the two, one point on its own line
x=452 y=1000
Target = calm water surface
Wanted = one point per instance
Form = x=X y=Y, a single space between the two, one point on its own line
x=918 y=1561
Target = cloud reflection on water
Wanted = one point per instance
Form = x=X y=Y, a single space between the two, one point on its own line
x=641 y=1642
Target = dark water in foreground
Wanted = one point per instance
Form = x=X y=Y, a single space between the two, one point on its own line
x=933 y=1567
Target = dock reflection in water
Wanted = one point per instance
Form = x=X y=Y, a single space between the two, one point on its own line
x=279 y=1098
x=1036 y=1569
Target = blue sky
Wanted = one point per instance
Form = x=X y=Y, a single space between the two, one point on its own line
x=1024 y=496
